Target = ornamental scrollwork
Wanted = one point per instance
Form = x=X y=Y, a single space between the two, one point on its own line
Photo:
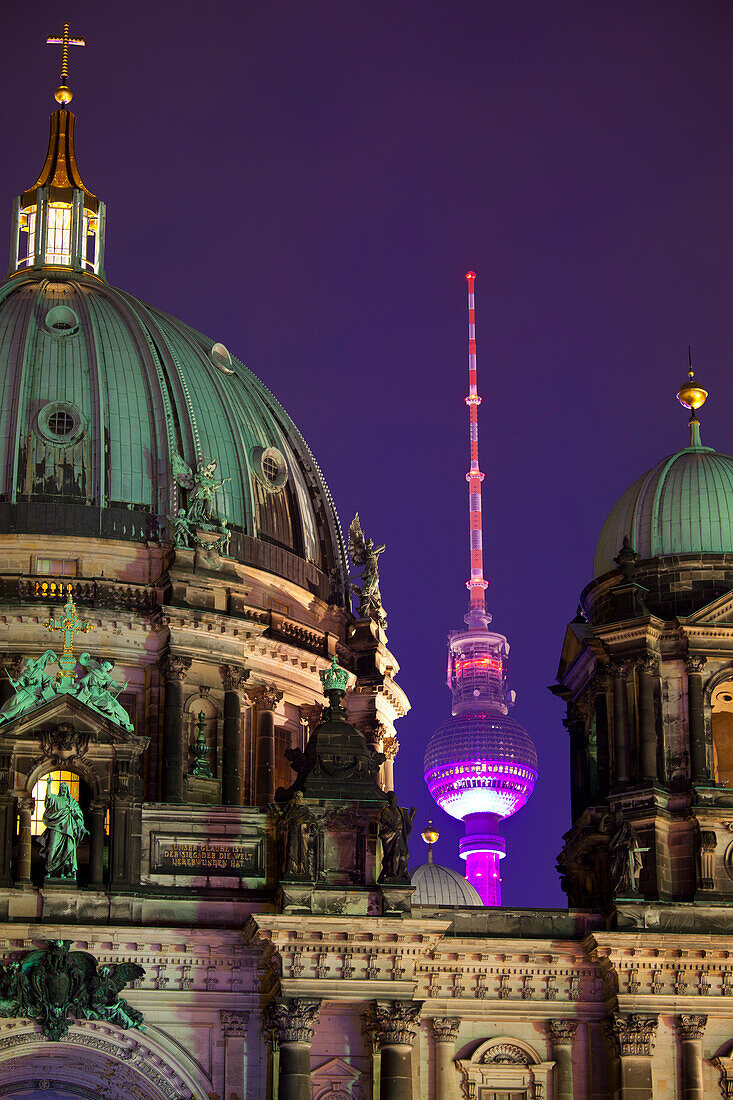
x=446 y=1028
x=506 y=1054
x=691 y=1026
x=632 y=1034
x=394 y=1023
x=562 y=1032
x=291 y=1021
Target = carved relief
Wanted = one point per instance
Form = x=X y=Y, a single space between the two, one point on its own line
x=562 y=1032
x=394 y=1022
x=632 y=1034
x=291 y=1021
x=173 y=667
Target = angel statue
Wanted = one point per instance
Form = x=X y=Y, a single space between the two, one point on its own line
x=96 y=690
x=362 y=551
x=33 y=687
x=201 y=485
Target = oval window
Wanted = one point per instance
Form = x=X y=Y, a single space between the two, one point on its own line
x=221 y=358
x=61 y=321
x=270 y=467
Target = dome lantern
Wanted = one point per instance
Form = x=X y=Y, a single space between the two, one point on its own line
x=57 y=222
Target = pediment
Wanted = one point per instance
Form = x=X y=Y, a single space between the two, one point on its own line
x=718 y=612
x=575 y=638
x=67 y=709
x=337 y=1071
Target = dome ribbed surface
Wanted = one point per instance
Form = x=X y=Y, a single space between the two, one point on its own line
x=139 y=384
x=436 y=885
x=683 y=505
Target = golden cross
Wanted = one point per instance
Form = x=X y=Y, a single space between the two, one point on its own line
x=64 y=42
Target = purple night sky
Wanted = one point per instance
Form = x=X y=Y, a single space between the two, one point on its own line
x=308 y=183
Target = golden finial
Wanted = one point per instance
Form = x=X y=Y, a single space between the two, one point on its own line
x=430 y=836
x=62 y=94
x=693 y=396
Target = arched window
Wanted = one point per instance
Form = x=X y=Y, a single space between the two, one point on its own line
x=722 y=707
x=49 y=784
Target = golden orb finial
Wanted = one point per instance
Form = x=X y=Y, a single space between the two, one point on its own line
x=62 y=95
x=430 y=835
x=692 y=395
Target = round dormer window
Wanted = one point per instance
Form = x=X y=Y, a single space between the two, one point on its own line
x=221 y=358
x=61 y=321
x=270 y=467
x=61 y=423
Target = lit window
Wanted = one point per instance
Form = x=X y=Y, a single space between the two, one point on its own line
x=56 y=567
x=50 y=785
x=277 y=605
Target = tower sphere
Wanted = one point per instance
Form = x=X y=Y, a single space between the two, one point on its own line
x=481 y=763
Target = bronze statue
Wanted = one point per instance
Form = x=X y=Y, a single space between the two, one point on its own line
x=299 y=829
x=33 y=687
x=96 y=689
x=395 y=825
x=65 y=828
x=363 y=552
x=626 y=856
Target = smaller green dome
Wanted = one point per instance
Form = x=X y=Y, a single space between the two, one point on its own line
x=683 y=505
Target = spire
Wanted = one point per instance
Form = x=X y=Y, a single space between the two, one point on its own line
x=477 y=618
x=693 y=397
x=58 y=222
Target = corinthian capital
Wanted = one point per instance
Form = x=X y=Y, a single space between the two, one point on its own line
x=562 y=1032
x=446 y=1028
x=291 y=1021
x=633 y=1034
x=394 y=1023
x=649 y=664
x=234 y=677
x=691 y=1027
x=695 y=663
x=26 y=804
x=234 y=1024
x=174 y=667
x=266 y=696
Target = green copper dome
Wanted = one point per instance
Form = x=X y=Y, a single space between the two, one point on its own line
x=101 y=390
x=683 y=505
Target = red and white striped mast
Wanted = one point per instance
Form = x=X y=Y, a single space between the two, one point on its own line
x=477 y=617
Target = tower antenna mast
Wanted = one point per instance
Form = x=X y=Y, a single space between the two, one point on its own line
x=477 y=616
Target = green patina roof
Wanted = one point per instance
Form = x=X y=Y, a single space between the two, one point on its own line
x=683 y=505
x=144 y=384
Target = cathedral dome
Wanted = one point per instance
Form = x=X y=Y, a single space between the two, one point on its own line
x=436 y=885
x=683 y=505
x=104 y=392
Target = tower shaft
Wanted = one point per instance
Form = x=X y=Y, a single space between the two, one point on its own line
x=476 y=584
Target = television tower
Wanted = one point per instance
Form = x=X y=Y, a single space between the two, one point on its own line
x=480 y=765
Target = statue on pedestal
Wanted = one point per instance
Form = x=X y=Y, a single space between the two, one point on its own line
x=298 y=829
x=395 y=825
x=626 y=857
x=363 y=552
x=65 y=828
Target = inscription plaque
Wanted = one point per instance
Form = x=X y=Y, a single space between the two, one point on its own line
x=190 y=858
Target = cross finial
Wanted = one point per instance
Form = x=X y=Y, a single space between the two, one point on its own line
x=62 y=94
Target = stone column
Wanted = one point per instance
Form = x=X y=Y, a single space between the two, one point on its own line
x=602 y=684
x=575 y=725
x=445 y=1033
x=174 y=671
x=394 y=1024
x=25 y=813
x=620 y=725
x=234 y=1027
x=691 y=1030
x=267 y=697
x=232 y=772
x=562 y=1033
x=10 y=665
x=696 y=720
x=292 y=1024
x=390 y=748
x=633 y=1039
x=648 y=668
x=97 y=810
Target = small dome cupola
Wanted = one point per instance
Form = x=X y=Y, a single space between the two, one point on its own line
x=57 y=222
